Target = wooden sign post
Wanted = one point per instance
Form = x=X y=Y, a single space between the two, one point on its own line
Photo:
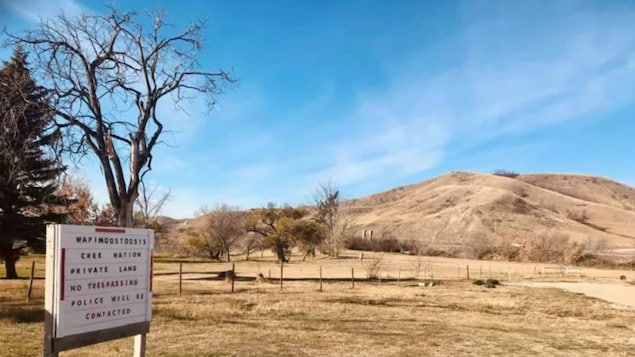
x=98 y=286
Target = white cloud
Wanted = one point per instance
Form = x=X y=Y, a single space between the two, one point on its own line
x=34 y=10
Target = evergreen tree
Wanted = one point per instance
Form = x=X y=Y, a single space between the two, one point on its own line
x=28 y=176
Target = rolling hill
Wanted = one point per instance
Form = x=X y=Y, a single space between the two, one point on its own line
x=449 y=209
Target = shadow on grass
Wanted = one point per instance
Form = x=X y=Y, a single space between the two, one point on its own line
x=22 y=314
x=220 y=277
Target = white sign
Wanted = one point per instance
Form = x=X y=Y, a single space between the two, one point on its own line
x=102 y=278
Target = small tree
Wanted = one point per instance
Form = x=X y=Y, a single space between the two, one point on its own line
x=80 y=207
x=251 y=242
x=150 y=204
x=221 y=229
x=106 y=216
x=372 y=266
x=309 y=236
x=276 y=226
x=28 y=177
x=79 y=203
x=329 y=215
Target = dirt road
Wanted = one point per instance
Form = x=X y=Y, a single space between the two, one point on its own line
x=622 y=294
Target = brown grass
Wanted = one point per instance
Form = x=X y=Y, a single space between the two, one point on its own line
x=455 y=318
x=448 y=209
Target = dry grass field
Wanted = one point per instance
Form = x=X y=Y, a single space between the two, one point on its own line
x=387 y=319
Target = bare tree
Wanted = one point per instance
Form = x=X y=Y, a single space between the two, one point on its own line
x=336 y=224
x=251 y=242
x=150 y=202
x=372 y=266
x=107 y=75
x=221 y=230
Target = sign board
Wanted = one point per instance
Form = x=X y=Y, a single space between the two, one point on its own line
x=98 y=284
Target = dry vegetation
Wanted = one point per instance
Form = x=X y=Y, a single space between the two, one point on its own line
x=454 y=318
x=565 y=219
x=447 y=211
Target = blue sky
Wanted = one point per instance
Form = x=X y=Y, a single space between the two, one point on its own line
x=377 y=94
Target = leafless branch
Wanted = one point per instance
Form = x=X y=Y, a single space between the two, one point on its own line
x=96 y=64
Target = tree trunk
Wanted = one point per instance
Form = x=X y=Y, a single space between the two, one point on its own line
x=9 y=265
x=228 y=258
x=280 y=253
x=126 y=214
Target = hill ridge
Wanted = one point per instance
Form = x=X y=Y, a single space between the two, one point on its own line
x=580 y=206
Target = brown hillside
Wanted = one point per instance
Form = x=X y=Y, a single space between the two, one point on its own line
x=449 y=209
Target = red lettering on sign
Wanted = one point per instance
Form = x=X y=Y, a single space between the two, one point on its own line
x=151 y=267
x=63 y=266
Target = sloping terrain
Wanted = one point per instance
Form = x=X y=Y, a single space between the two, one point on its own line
x=449 y=209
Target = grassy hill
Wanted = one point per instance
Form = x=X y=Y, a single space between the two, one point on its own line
x=450 y=209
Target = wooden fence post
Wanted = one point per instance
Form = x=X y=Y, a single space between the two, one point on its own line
x=28 y=293
x=281 y=272
x=467 y=271
x=233 y=275
x=353 y=277
x=180 y=278
x=269 y=274
x=320 y=278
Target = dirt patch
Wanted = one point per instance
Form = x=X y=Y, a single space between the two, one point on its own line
x=621 y=294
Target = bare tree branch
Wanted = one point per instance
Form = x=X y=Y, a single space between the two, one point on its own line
x=95 y=64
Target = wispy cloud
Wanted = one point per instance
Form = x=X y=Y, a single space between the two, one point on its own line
x=34 y=10
x=411 y=123
x=580 y=68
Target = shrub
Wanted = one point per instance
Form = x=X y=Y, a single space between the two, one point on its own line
x=492 y=282
x=489 y=283
x=381 y=244
x=506 y=173
x=509 y=251
x=372 y=266
x=549 y=248
x=578 y=216
x=479 y=245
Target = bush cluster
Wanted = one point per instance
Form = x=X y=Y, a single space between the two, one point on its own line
x=506 y=173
